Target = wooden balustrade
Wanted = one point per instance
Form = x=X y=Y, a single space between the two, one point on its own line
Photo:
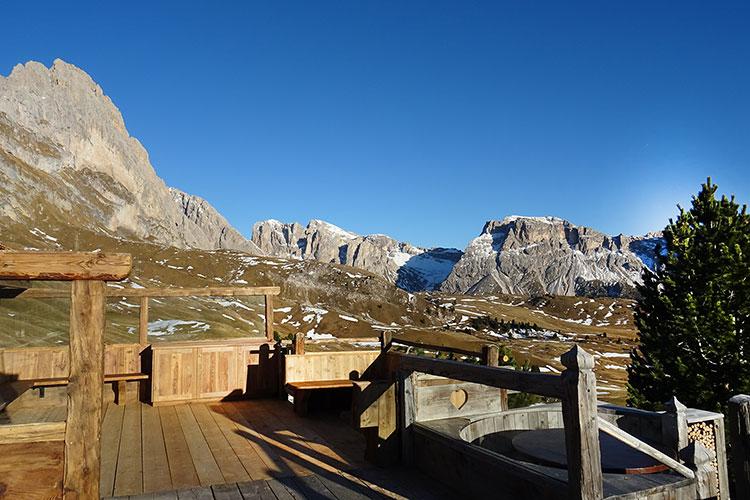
x=576 y=387
x=268 y=292
x=88 y=271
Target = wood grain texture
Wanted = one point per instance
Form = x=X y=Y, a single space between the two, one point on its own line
x=110 y=443
x=56 y=293
x=269 y=317
x=143 y=322
x=31 y=470
x=581 y=425
x=156 y=475
x=83 y=429
x=32 y=432
x=327 y=365
x=34 y=363
x=65 y=266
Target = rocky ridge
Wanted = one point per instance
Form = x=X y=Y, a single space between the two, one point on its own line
x=409 y=267
x=65 y=153
x=548 y=255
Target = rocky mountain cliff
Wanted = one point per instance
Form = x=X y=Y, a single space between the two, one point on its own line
x=547 y=255
x=65 y=154
x=409 y=267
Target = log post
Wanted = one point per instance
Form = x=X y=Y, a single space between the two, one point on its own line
x=491 y=357
x=280 y=355
x=386 y=338
x=407 y=415
x=84 y=422
x=143 y=322
x=299 y=343
x=699 y=459
x=269 y=318
x=674 y=429
x=581 y=425
x=738 y=426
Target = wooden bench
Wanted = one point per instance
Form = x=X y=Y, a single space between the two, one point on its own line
x=301 y=391
x=119 y=381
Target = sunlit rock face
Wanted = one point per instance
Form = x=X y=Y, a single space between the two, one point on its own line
x=409 y=267
x=548 y=255
x=66 y=155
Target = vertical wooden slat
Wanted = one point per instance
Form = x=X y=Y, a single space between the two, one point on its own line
x=299 y=343
x=143 y=322
x=581 y=425
x=408 y=415
x=269 y=318
x=491 y=357
x=84 y=423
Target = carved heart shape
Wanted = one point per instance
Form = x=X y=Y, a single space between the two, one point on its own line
x=459 y=398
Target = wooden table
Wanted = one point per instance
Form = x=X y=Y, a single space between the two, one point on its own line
x=547 y=447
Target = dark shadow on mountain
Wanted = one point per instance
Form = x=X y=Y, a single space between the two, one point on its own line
x=427 y=270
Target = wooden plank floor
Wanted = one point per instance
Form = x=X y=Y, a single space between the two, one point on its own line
x=240 y=450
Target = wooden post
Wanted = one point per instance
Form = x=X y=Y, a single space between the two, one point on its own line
x=491 y=357
x=84 y=422
x=699 y=459
x=385 y=341
x=407 y=415
x=143 y=322
x=581 y=425
x=281 y=372
x=269 y=318
x=738 y=428
x=299 y=343
x=674 y=430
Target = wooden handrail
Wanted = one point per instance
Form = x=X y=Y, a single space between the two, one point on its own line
x=64 y=266
x=435 y=347
x=53 y=293
x=645 y=448
x=543 y=384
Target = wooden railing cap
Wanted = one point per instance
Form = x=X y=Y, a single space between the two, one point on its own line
x=65 y=266
x=577 y=359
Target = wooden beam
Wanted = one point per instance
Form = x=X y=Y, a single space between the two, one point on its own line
x=84 y=421
x=54 y=293
x=299 y=343
x=581 y=429
x=143 y=322
x=269 y=317
x=64 y=266
x=437 y=347
x=543 y=384
x=639 y=445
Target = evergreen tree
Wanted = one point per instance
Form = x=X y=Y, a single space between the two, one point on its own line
x=693 y=313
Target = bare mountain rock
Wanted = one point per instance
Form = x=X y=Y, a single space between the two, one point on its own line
x=547 y=255
x=65 y=154
x=409 y=267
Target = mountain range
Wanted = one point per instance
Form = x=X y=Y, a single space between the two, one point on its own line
x=515 y=255
x=67 y=160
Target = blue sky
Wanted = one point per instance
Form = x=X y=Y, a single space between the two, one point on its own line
x=419 y=119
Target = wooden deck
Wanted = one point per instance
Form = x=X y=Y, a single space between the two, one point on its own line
x=226 y=450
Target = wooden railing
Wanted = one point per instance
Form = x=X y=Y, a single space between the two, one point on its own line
x=144 y=294
x=575 y=388
x=88 y=273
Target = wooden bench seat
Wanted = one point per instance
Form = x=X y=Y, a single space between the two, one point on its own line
x=118 y=379
x=301 y=391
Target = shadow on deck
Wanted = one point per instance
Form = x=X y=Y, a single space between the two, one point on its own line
x=228 y=450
